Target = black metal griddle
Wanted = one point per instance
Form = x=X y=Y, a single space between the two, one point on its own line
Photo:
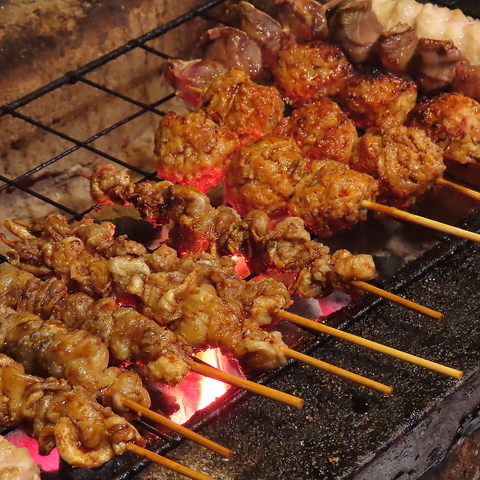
x=344 y=431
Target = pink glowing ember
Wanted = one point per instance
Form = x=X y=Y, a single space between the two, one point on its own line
x=48 y=463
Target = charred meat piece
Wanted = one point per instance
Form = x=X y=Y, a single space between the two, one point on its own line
x=372 y=99
x=404 y=160
x=329 y=197
x=242 y=105
x=263 y=174
x=192 y=149
x=452 y=121
x=321 y=130
x=311 y=71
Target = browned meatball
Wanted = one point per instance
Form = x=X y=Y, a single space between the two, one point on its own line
x=322 y=131
x=371 y=99
x=244 y=106
x=404 y=160
x=311 y=71
x=192 y=149
x=329 y=197
x=263 y=175
x=452 y=121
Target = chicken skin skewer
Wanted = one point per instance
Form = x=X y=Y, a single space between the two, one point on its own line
x=199 y=226
x=49 y=347
x=180 y=293
x=57 y=414
x=130 y=336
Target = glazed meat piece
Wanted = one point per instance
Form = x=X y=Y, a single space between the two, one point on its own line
x=304 y=19
x=396 y=48
x=50 y=347
x=354 y=27
x=372 y=99
x=263 y=174
x=192 y=149
x=129 y=336
x=404 y=160
x=452 y=121
x=182 y=75
x=232 y=48
x=16 y=463
x=242 y=105
x=311 y=71
x=321 y=130
x=329 y=197
x=289 y=248
x=59 y=415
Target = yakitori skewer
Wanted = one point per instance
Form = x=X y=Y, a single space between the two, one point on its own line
x=468 y=192
x=222 y=231
x=320 y=327
x=56 y=413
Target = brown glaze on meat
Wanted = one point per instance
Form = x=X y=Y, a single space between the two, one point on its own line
x=403 y=159
x=192 y=149
x=329 y=197
x=372 y=99
x=311 y=71
x=242 y=105
x=263 y=174
x=322 y=131
x=452 y=121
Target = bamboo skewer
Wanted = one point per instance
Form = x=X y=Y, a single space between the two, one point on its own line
x=395 y=298
x=468 y=192
x=297 y=319
x=165 y=462
x=426 y=222
x=340 y=372
x=186 y=432
x=240 y=382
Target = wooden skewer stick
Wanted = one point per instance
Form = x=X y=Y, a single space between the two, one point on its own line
x=410 y=217
x=340 y=372
x=297 y=319
x=468 y=192
x=165 y=462
x=240 y=382
x=186 y=432
x=395 y=298
x=330 y=4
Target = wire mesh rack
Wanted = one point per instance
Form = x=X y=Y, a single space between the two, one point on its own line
x=80 y=76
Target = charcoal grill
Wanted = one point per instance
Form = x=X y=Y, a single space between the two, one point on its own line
x=344 y=431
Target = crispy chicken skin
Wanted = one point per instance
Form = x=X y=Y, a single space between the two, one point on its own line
x=328 y=198
x=404 y=160
x=372 y=99
x=58 y=415
x=263 y=174
x=192 y=149
x=242 y=105
x=452 y=121
x=311 y=71
x=321 y=130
